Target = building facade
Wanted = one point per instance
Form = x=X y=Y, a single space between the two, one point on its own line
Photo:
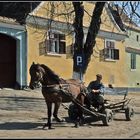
x=108 y=54
x=48 y=38
x=132 y=47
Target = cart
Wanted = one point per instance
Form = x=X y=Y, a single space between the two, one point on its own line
x=106 y=116
x=121 y=106
x=110 y=109
x=91 y=114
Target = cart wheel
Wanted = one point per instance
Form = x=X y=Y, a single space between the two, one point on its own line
x=129 y=113
x=108 y=118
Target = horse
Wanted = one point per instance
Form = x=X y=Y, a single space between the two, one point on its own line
x=57 y=90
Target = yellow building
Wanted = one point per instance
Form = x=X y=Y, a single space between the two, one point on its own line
x=41 y=24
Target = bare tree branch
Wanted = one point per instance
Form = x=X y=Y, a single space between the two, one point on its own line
x=87 y=13
x=134 y=8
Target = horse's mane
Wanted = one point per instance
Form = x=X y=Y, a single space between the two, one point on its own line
x=51 y=73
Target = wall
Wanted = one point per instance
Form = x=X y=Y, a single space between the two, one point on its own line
x=133 y=75
x=58 y=63
x=113 y=72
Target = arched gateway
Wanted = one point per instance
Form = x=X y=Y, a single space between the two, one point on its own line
x=13 y=55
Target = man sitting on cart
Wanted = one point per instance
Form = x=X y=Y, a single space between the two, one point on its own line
x=96 y=92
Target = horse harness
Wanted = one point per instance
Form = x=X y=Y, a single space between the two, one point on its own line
x=64 y=88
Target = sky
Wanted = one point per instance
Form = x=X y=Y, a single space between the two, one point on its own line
x=128 y=10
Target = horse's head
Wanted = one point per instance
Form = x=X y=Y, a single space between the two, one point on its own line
x=36 y=73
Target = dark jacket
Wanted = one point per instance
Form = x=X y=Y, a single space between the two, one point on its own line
x=96 y=86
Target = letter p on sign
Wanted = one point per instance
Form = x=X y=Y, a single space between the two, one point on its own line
x=79 y=60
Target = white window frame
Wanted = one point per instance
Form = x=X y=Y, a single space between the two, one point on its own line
x=111 y=52
x=54 y=49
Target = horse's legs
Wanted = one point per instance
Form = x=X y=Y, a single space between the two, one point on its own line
x=55 y=113
x=80 y=118
x=49 y=107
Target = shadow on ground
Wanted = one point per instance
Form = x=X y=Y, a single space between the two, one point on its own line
x=38 y=126
x=19 y=125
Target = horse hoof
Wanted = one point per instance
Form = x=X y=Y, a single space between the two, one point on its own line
x=59 y=120
x=62 y=120
x=47 y=128
x=81 y=123
x=76 y=125
x=45 y=125
x=51 y=128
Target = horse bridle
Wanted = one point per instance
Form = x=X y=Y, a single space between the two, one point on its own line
x=39 y=79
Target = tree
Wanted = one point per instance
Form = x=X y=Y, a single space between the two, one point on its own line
x=87 y=48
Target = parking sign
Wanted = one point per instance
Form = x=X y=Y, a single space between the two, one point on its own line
x=79 y=60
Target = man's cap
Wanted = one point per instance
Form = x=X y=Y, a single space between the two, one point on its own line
x=99 y=75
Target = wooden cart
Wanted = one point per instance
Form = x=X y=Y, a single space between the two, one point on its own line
x=110 y=109
x=92 y=115
x=122 y=106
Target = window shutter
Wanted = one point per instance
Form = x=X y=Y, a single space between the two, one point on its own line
x=42 y=48
x=116 y=54
x=102 y=55
x=62 y=47
x=106 y=53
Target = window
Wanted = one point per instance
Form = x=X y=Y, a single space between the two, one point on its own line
x=56 y=43
x=133 y=61
x=109 y=51
x=137 y=38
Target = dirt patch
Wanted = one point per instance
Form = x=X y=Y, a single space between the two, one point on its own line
x=23 y=113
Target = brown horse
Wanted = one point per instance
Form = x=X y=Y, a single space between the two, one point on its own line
x=56 y=90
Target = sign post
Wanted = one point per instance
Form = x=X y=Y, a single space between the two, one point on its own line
x=80 y=63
